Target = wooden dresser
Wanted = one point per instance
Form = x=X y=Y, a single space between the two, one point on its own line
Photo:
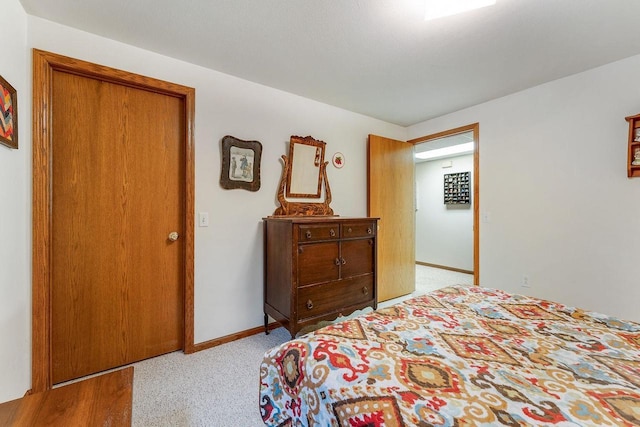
x=318 y=268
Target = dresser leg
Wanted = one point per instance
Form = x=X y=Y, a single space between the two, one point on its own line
x=266 y=324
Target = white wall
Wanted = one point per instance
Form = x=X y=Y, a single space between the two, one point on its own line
x=228 y=254
x=554 y=186
x=15 y=214
x=444 y=233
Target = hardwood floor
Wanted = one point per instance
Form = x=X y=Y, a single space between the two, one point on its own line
x=105 y=400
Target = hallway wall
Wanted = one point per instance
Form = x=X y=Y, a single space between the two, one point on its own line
x=444 y=233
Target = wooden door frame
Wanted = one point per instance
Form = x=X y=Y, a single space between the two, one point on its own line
x=475 y=128
x=44 y=65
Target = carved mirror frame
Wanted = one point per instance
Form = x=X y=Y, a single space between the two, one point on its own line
x=312 y=158
x=304 y=179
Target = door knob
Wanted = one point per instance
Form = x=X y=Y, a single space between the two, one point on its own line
x=173 y=236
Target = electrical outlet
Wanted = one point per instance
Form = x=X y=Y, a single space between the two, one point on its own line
x=526 y=282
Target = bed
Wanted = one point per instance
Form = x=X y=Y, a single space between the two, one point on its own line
x=459 y=356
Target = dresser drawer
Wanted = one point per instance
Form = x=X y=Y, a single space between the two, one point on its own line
x=312 y=233
x=333 y=296
x=358 y=229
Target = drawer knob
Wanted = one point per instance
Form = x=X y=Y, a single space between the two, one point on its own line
x=332 y=232
x=337 y=261
x=369 y=230
x=365 y=290
x=344 y=261
x=308 y=234
x=370 y=242
x=349 y=230
x=309 y=304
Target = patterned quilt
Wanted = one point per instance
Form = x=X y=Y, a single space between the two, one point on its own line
x=459 y=356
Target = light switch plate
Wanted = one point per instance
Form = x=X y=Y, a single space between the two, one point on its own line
x=203 y=219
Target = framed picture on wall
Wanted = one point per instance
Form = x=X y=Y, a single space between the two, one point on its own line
x=457 y=189
x=240 y=164
x=8 y=114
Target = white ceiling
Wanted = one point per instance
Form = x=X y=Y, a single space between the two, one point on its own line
x=375 y=57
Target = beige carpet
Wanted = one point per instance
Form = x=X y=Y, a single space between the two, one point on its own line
x=429 y=279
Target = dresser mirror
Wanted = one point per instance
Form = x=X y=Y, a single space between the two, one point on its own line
x=304 y=179
x=303 y=176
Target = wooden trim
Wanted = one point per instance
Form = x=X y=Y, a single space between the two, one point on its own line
x=444 y=267
x=44 y=63
x=233 y=337
x=41 y=271
x=476 y=204
x=475 y=128
x=443 y=134
x=189 y=193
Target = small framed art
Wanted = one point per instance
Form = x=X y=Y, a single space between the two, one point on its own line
x=8 y=114
x=240 y=164
x=338 y=160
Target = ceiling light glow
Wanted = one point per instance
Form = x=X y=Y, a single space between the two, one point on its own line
x=446 y=151
x=439 y=8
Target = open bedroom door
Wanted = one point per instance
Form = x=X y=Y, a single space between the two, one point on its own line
x=390 y=196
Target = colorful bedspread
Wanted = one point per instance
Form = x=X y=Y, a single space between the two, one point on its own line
x=458 y=357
